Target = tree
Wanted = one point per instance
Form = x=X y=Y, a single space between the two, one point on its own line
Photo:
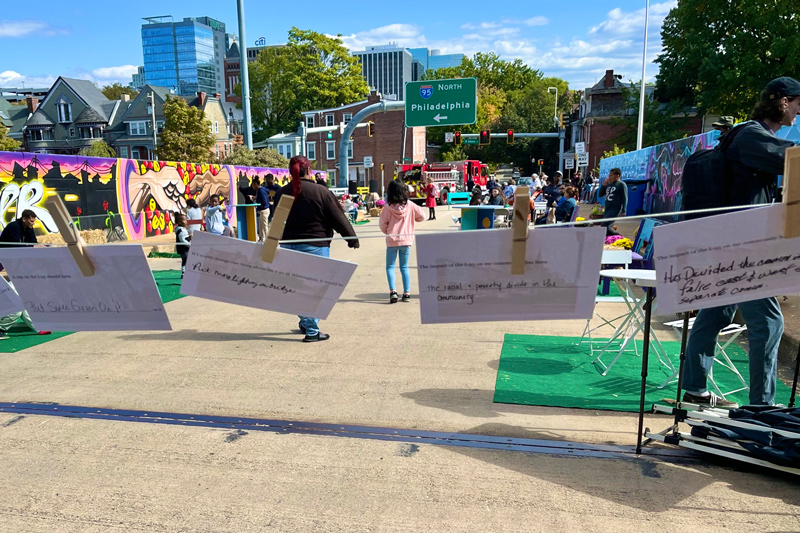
x=266 y=157
x=116 y=90
x=662 y=121
x=186 y=135
x=614 y=151
x=7 y=144
x=99 y=149
x=312 y=71
x=720 y=55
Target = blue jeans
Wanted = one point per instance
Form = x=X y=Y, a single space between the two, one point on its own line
x=764 y=329
x=391 y=253
x=307 y=323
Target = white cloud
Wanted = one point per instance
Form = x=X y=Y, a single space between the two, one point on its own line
x=9 y=78
x=481 y=26
x=120 y=73
x=406 y=35
x=21 y=28
x=623 y=24
x=536 y=21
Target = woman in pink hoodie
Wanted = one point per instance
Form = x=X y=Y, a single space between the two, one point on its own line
x=397 y=222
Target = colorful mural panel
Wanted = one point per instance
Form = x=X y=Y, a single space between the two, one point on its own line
x=127 y=198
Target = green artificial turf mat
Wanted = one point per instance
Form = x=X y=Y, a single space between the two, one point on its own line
x=361 y=222
x=557 y=372
x=613 y=291
x=20 y=337
x=162 y=255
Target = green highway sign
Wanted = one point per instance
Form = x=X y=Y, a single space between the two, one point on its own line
x=468 y=140
x=441 y=102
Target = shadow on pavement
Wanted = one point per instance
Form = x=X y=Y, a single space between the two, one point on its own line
x=212 y=336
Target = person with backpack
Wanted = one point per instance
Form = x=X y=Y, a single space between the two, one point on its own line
x=742 y=170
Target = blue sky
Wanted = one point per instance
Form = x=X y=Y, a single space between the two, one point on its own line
x=576 y=41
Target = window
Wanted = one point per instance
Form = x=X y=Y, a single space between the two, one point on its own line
x=310 y=121
x=216 y=127
x=159 y=125
x=40 y=135
x=123 y=152
x=330 y=149
x=149 y=109
x=72 y=132
x=349 y=149
x=138 y=128
x=329 y=120
x=347 y=117
x=311 y=151
x=285 y=150
x=64 y=109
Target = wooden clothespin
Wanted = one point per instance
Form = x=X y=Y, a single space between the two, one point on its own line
x=276 y=228
x=519 y=239
x=55 y=205
x=791 y=193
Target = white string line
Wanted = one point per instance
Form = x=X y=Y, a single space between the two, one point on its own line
x=382 y=235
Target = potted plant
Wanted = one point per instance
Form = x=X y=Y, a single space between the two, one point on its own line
x=597 y=212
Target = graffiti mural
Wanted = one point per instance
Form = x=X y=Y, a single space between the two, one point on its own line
x=128 y=199
x=662 y=167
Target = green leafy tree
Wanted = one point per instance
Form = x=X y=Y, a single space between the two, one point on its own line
x=454 y=153
x=186 y=135
x=7 y=144
x=266 y=157
x=720 y=55
x=614 y=151
x=312 y=71
x=116 y=90
x=663 y=122
x=98 y=149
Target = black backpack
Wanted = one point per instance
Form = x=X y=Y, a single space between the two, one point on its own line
x=705 y=181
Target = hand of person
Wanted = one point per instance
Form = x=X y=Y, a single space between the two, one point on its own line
x=606 y=182
x=353 y=243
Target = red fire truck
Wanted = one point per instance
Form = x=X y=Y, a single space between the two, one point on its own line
x=449 y=176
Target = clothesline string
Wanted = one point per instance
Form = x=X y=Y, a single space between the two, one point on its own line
x=537 y=228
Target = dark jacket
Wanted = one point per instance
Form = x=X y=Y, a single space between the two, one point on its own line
x=552 y=194
x=616 y=196
x=754 y=160
x=496 y=200
x=565 y=208
x=262 y=198
x=16 y=231
x=315 y=214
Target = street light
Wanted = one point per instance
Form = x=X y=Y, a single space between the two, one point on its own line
x=555 y=108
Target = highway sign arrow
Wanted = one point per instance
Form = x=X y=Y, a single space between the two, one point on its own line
x=438 y=117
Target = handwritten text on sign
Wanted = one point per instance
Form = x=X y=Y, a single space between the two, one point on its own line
x=466 y=276
x=230 y=270
x=724 y=260
x=121 y=296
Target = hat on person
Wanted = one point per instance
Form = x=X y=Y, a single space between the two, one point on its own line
x=783 y=86
x=724 y=122
x=558 y=173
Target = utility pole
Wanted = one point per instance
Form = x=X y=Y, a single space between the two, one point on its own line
x=153 y=114
x=244 y=80
x=640 y=129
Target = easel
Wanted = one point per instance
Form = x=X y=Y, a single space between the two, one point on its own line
x=683 y=412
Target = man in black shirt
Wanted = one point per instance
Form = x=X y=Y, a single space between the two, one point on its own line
x=20 y=230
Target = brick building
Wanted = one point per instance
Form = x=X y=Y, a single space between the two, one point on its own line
x=603 y=102
x=385 y=146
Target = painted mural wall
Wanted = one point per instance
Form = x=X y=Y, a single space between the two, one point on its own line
x=127 y=198
x=662 y=166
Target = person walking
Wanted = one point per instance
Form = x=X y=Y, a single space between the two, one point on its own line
x=397 y=222
x=753 y=162
x=272 y=189
x=430 y=199
x=315 y=214
x=182 y=239
x=616 y=193
x=262 y=212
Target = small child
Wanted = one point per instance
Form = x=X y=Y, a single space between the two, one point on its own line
x=182 y=239
x=397 y=222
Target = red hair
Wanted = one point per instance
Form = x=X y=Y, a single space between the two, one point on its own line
x=299 y=167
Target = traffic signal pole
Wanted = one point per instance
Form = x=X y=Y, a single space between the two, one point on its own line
x=560 y=135
x=381 y=107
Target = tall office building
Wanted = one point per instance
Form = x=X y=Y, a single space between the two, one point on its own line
x=388 y=67
x=187 y=56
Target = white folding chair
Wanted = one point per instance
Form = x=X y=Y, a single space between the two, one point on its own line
x=732 y=332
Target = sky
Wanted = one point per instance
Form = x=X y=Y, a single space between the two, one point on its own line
x=101 y=41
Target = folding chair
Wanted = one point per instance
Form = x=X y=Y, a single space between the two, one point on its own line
x=501 y=217
x=732 y=331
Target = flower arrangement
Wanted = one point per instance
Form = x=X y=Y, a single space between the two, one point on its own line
x=597 y=210
x=611 y=239
x=579 y=219
x=380 y=203
x=624 y=243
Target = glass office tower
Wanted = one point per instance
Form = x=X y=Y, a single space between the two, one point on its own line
x=180 y=55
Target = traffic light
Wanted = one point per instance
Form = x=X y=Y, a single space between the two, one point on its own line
x=330 y=135
x=370 y=128
x=541 y=162
x=561 y=120
x=457 y=138
x=510 y=137
x=485 y=137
